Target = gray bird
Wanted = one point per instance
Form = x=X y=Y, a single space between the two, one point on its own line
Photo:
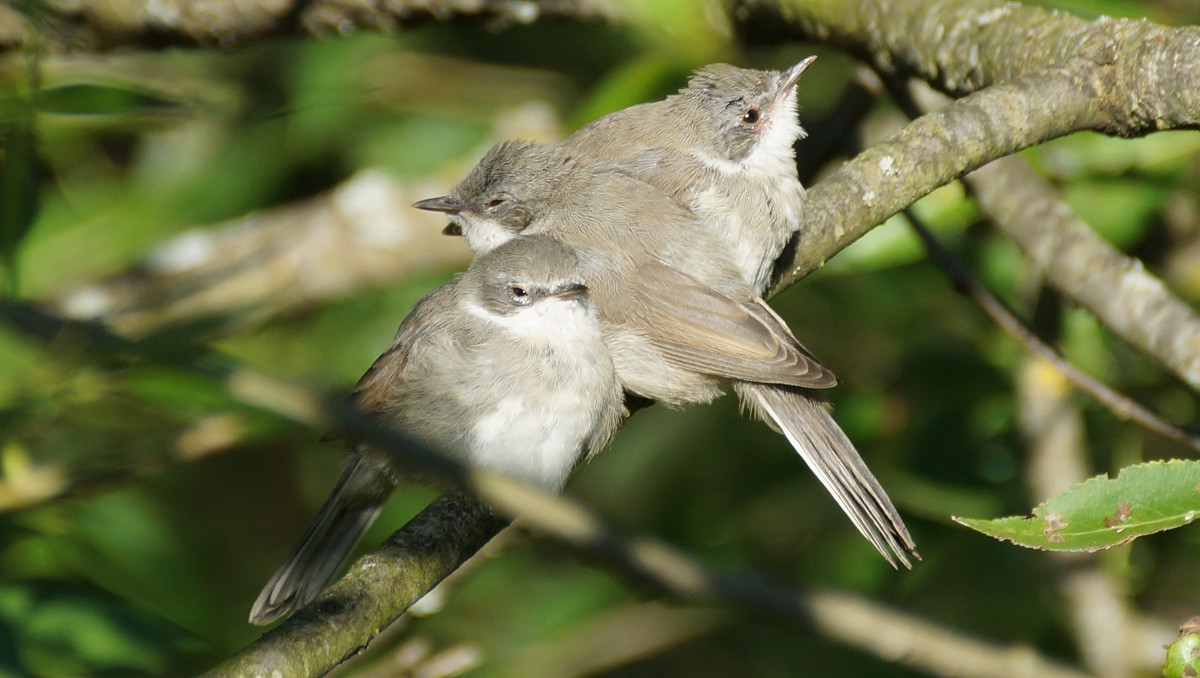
x=678 y=318
x=504 y=368
x=722 y=146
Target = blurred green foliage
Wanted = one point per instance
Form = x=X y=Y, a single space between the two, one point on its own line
x=153 y=571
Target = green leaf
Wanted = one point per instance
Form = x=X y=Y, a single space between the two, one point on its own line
x=1101 y=512
x=90 y=98
x=1183 y=656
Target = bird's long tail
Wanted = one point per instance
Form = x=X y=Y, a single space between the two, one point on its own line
x=325 y=546
x=809 y=427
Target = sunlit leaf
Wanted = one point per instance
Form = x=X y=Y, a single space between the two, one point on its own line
x=1102 y=512
x=1183 y=656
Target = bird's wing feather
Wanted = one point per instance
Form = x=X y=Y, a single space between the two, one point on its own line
x=701 y=329
x=375 y=391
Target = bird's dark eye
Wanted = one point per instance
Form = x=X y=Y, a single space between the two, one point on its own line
x=495 y=202
x=751 y=116
x=519 y=294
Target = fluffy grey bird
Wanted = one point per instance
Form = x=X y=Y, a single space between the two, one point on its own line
x=678 y=317
x=504 y=368
x=722 y=146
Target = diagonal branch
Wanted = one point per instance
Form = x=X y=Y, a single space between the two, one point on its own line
x=1149 y=74
x=940 y=147
x=379 y=588
x=103 y=25
x=1046 y=75
x=1130 y=80
x=1000 y=314
x=384 y=583
x=333 y=624
x=1117 y=289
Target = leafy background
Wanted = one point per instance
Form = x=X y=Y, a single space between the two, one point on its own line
x=155 y=575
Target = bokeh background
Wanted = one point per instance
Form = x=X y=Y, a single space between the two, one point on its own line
x=144 y=509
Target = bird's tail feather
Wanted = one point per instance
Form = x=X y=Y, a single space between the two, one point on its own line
x=322 y=550
x=809 y=427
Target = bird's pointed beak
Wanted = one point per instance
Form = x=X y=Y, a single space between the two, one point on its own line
x=791 y=76
x=442 y=203
x=452 y=229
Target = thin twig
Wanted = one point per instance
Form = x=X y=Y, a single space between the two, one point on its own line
x=1117 y=289
x=1120 y=405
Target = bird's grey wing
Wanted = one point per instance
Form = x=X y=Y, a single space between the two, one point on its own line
x=376 y=390
x=667 y=170
x=619 y=135
x=700 y=329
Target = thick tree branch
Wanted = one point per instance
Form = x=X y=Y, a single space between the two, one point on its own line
x=359 y=235
x=101 y=25
x=1117 y=289
x=934 y=150
x=1149 y=74
x=375 y=592
x=1124 y=84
